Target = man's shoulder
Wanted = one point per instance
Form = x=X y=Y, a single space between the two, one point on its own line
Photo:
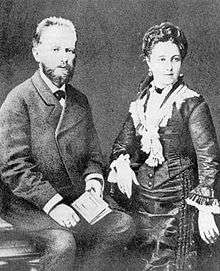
x=76 y=94
x=22 y=89
x=18 y=95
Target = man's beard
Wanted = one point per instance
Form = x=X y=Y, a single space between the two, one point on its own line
x=59 y=80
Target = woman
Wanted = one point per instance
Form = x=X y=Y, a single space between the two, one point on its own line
x=168 y=148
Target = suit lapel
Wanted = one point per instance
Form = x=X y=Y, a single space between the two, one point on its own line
x=61 y=119
x=53 y=108
x=73 y=111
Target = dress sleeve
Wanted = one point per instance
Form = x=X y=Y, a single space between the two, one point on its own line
x=206 y=194
x=125 y=142
x=123 y=151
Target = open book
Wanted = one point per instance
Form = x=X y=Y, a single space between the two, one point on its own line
x=91 y=207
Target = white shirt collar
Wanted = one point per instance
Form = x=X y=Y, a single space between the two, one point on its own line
x=48 y=82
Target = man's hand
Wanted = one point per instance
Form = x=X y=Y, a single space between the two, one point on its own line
x=94 y=186
x=207 y=227
x=64 y=215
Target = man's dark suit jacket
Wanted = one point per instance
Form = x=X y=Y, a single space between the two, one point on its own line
x=44 y=150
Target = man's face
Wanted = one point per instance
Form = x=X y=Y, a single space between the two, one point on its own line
x=56 y=53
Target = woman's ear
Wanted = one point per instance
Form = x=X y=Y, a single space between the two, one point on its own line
x=147 y=59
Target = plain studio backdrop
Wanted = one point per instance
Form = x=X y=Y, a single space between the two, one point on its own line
x=109 y=63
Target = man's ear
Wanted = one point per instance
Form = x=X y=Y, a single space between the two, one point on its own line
x=35 y=53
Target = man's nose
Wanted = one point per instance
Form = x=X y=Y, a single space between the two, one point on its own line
x=64 y=57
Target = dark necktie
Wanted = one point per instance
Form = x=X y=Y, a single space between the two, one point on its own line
x=59 y=94
x=158 y=90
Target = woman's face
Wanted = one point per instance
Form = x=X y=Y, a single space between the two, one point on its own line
x=165 y=63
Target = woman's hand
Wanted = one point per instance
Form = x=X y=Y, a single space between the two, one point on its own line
x=122 y=174
x=125 y=178
x=207 y=227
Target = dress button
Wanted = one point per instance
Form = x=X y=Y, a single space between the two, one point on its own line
x=150 y=183
x=150 y=175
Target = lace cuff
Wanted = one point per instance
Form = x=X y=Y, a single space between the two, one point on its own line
x=123 y=161
x=202 y=197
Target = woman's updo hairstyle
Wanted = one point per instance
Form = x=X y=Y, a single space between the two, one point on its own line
x=162 y=33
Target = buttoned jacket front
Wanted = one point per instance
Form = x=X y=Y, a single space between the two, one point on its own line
x=46 y=149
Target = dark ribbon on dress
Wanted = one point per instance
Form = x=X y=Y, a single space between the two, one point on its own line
x=159 y=90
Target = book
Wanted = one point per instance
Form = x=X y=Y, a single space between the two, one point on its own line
x=91 y=207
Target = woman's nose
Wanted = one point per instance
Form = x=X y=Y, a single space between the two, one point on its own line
x=169 y=66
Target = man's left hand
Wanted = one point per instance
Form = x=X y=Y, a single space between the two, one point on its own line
x=94 y=186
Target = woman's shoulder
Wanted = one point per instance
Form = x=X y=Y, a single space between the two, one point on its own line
x=191 y=101
x=190 y=96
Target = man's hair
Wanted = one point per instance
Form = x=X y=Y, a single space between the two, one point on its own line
x=48 y=22
x=161 y=33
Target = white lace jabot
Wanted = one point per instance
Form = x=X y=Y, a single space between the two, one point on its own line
x=147 y=123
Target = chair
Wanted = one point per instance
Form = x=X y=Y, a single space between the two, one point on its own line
x=16 y=252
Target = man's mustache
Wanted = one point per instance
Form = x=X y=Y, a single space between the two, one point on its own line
x=67 y=67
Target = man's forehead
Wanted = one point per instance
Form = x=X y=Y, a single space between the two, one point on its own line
x=58 y=34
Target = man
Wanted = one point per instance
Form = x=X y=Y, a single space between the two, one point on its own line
x=50 y=154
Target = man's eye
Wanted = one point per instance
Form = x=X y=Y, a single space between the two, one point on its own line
x=162 y=59
x=55 y=49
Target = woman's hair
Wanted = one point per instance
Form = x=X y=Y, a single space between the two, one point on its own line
x=162 y=33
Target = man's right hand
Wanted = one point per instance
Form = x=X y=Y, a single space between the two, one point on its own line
x=64 y=215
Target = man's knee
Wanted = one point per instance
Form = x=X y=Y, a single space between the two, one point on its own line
x=61 y=241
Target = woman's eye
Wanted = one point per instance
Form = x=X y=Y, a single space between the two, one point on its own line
x=70 y=51
x=177 y=59
x=55 y=49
